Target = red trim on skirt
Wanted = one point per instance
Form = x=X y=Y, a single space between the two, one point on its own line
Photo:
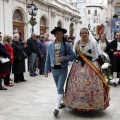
x=3 y=74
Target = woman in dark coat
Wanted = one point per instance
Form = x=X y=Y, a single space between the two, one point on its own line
x=18 y=67
x=4 y=67
x=105 y=47
x=9 y=49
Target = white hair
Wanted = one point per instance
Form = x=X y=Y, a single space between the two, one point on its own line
x=15 y=35
x=33 y=34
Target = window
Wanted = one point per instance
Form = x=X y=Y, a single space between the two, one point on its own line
x=93 y=20
x=88 y=11
x=94 y=29
x=59 y=24
x=17 y=16
x=43 y=21
x=95 y=12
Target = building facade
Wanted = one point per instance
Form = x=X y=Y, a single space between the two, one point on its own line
x=113 y=8
x=93 y=13
x=96 y=15
x=51 y=13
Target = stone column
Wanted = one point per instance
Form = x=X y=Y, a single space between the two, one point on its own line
x=2 y=18
x=53 y=22
x=67 y=19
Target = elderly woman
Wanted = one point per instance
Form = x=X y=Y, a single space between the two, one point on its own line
x=4 y=67
x=18 y=67
x=7 y=43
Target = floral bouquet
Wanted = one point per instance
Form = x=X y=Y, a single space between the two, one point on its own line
x=32 y=22
x=105 y=66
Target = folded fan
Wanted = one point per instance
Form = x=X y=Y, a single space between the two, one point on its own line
x=4 y=60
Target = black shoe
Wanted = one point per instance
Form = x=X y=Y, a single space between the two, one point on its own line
x=16 y=81
x=62 y=105
x=32 y=75
x=35 y=74
x=41 y=73
x=2 y=88
x=115 y=84
x=23 y=80
x=56 y=112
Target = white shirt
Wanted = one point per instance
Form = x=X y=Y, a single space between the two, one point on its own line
x=118 y=45
x=57 y=49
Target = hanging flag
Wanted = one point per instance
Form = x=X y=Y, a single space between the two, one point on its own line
x=100 y=29
x=115 y=26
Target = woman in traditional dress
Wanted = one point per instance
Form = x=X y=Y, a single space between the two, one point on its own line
x=86 y=88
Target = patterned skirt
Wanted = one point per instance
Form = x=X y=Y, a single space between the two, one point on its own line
x=85 y=91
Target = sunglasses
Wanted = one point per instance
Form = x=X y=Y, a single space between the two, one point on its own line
x=0 y=36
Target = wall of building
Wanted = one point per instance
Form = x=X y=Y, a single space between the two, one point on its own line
x=53 y=11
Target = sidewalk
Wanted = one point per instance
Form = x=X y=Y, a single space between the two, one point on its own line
x=35 y=100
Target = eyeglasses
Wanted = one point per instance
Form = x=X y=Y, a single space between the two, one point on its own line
x=0 y=36
x=117 y=35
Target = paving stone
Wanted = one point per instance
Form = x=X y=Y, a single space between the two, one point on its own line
x=35 y=100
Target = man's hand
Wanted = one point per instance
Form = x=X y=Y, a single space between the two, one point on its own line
x=60 y=58
x=46 y=74
x=41 y=56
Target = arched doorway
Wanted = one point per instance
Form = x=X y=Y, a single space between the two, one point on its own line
x=18 y=22
x=71 y=30
x=42 y=26
x=59 y=24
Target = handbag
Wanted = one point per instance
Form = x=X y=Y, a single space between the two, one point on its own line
x=4 y=60
x=24 y=55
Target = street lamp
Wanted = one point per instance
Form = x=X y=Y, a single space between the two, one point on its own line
x=89 y=26
x=72 y=20
x=32 y=10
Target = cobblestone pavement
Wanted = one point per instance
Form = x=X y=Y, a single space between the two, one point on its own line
x=35 y=100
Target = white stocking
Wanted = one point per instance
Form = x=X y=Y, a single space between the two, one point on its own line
x=115 y=76
x=59 y=99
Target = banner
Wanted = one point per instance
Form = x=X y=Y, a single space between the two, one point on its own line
x=115 y=26
x=100 y=29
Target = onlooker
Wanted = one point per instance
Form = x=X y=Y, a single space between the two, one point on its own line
x=9 y=49
x=20 y=38
x=115 y=50
x=4 y=67
x=18 y=67
x=1 y=38
x=47 y=41
x=33 y=48
x=43 y=50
